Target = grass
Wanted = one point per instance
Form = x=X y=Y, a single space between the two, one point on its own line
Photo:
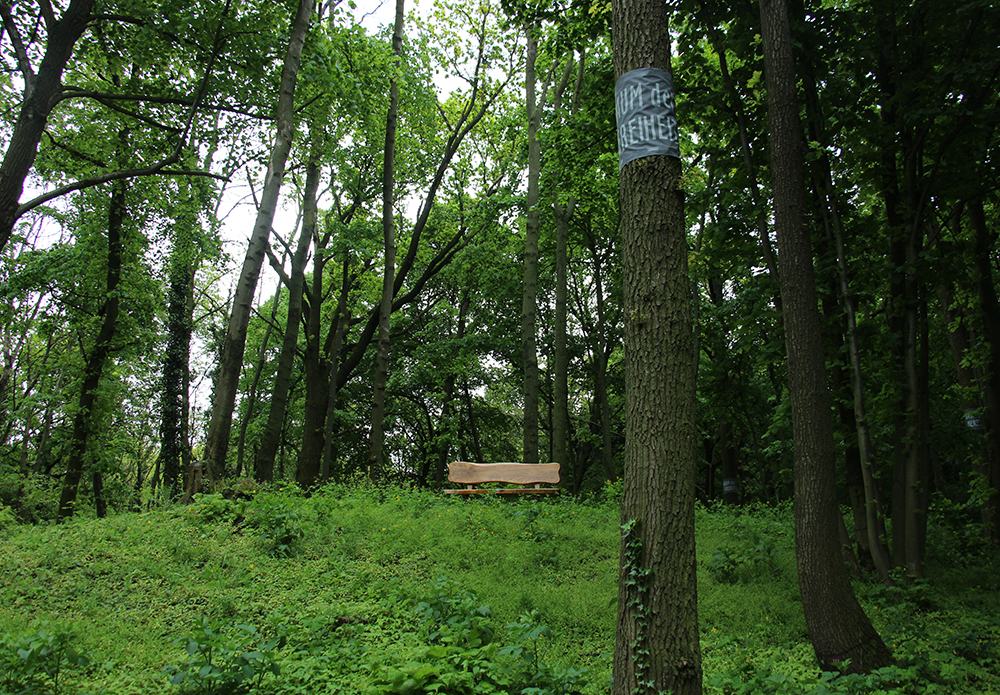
x=358 y=589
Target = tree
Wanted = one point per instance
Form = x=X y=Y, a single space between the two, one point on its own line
x=657 y=648
x=85 y=419
x=377 y=436
x=42 y=90
x=231 y=360
x=529 y=301
x=838 y=627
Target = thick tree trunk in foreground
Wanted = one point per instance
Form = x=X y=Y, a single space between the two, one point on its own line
x=838 y=627
x=657 y=648
x=234 y=345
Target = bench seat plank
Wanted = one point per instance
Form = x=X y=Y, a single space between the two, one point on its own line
x=469 y=474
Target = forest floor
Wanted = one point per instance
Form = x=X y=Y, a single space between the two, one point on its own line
x=363 y=590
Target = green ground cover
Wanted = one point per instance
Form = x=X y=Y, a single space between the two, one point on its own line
x=362 y=590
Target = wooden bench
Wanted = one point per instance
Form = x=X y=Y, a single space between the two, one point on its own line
x=472 y=474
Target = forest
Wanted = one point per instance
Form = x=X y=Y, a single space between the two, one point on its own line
x=247 y=245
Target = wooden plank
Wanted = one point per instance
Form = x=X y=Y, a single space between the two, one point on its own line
x=465 y=473
x=505 y=491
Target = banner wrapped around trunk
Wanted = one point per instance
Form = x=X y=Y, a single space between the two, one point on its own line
x=644 y=109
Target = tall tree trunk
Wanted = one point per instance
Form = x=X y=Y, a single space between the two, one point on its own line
x=376 y=453
x=234 y=345
x=601 y=347
x=990 y=309
x=906 y=478
x=249 y=412
x=560 y=387
x=959 y=340
x=563 y=213
x=767 y=251
x=41 y=93
x=184 y=259
x=340 y=330
x=838 y=627
x=449 y=432
x=175 y=363
x=657 y=647
x=863 y=489
x=318 y=368
x=84 y=420
x=264 y=461
x=529 y=299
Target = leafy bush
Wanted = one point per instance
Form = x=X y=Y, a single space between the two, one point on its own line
x=7 y=517
x=278 y=520
x=226 y=663
x=529 y=673
x=454 y=618
x=461 y=658
x=213 y=508
x=34 y=662
x=743 y=565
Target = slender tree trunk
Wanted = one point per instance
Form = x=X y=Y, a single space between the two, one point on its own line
x=838 y=627
x=529 y=300
x=990 y=308
x=874 y=516
x=560 y=387
x=449 y=432
x=264 y=461
x=318 y=369
x=184 y=259
x=601 y=351
x=251 y=397
x=767 y=251
x=340 y=328
x=657 y=647
x=868 y=513
x=376 y=454
x=234 y=345
x=85 y=418
x=471 y=425
x=906 y=475
x=730 y=464
x=959 y=340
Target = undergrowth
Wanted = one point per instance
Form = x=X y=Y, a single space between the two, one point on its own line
x=389 y=590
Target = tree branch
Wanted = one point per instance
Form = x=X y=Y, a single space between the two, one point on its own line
x=19 y=49
x=152 y=170
x=76 y=93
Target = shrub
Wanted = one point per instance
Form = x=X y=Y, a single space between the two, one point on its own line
x=278 y=520
x=34 y=662
x=226 y=662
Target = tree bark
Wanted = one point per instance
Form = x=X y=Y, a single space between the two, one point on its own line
x=264 y=461
x=838 y=627
x=41 y=93
x=657 y=647
x=249 y=412
x=340 y=330
x=529 y=299
x=376 y=452
x=234 y=345
x=560 y=386
x=990 y=308
x=84 y=420
x=868 y=512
